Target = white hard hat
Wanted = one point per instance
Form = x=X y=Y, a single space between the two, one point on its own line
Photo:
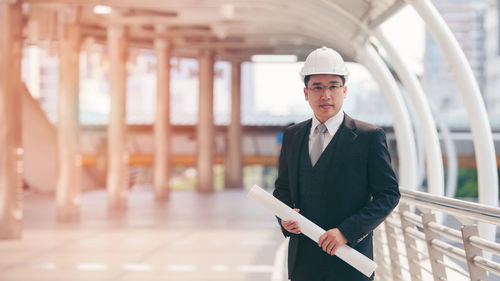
x=324 y=61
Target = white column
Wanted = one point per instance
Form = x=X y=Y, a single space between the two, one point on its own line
x=162 y=120
x=408 y=172
x=117 y=181
x=205 y=130
x=451 y=154
x=234 y=164
x=481 y=130
x=68 y=185
x=433 y=155
x=11 y=173
x=34 y=71
x=33 y=58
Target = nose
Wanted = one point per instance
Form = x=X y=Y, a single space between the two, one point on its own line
x=325 y=94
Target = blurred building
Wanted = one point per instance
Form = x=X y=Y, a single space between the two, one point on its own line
x=466 y=20
x=492 y=61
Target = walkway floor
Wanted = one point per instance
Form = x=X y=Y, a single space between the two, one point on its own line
x=223 y=236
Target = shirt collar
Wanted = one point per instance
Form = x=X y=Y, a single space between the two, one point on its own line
x=332 y=124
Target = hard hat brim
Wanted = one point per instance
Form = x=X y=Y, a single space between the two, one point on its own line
x=345 y=75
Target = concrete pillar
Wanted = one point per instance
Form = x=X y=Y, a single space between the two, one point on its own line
x=68 y=185
x=11 y=165
x=205 y=130
x=162 y=120
x=234 y=159
x=117 y=180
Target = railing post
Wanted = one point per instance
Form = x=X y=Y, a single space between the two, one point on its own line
x=392 y=243
x=435 y=257
x=410 y=244
x=383 y=272
x=471 y=251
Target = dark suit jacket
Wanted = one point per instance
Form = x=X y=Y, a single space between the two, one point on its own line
x=364 y=189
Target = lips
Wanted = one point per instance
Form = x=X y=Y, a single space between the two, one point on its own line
x=325 y=105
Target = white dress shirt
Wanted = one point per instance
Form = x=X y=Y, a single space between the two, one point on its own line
x=332 y=125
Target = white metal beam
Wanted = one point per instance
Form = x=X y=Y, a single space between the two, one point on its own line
x=408 y=173
x=435 y=174
x=469 y=89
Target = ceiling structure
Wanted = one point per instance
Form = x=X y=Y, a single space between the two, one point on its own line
x=233 y=29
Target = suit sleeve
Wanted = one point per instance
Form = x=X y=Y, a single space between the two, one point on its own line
x=383 y=189
x=281 y=185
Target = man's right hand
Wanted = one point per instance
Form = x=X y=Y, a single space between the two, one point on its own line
x=291 y=226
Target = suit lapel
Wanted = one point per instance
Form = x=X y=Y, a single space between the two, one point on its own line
x=297 y=141
x=347 y=135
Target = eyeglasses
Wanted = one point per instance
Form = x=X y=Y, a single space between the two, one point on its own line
x=320 y=89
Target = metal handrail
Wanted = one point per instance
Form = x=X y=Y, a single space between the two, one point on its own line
x=485 y=244
x=453 y=206
x=487 y=264
x=446 y=231
x=426 y=250
x=415 y=234
x=461 y=272
x=426 y=228
x=448 y=249
x=413 y=218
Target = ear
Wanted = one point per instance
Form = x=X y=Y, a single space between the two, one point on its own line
x=306 y=96
x=345 y=91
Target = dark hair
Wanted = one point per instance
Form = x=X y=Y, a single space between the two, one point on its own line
x=307 y=77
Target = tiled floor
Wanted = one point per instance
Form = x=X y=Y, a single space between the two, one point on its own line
x=223 y=236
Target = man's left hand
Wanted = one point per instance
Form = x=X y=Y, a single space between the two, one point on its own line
x=331 y=240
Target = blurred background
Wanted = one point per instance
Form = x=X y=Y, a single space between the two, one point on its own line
x=131 y=131
x=271 y=97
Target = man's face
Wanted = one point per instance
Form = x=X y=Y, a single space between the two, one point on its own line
x=325 y=94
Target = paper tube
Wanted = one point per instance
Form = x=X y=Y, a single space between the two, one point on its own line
x=310 y=229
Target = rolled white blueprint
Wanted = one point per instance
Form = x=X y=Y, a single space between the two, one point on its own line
x=310 y=229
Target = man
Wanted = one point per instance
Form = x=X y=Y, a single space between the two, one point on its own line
x=335 y=171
